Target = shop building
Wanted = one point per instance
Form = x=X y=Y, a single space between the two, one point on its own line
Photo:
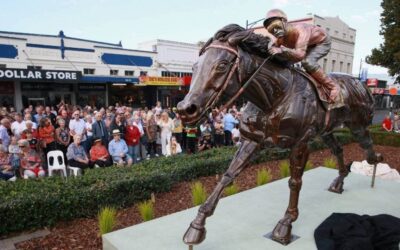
x=174 y=63
x=47 y=69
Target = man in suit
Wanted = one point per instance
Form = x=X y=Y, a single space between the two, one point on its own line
x=99 y=129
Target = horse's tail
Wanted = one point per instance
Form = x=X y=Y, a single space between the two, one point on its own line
x=356 y=95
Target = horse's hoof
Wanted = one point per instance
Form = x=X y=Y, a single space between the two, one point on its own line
x=336 y=187
x=282 y=232
x=194 y=236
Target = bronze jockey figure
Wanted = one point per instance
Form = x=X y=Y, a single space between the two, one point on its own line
x=301 y=42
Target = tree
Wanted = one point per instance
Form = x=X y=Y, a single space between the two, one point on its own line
x=388 y=53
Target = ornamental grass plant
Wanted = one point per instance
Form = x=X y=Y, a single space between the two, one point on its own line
x=107 y=219
x=309 y=165
x=231 y=189
x=284 y=168
x=330 y=163
x=263 y=176
x=199 y=194
x=146 y=210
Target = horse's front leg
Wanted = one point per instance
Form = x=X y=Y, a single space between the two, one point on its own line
x=298 y=158
x=196 y=232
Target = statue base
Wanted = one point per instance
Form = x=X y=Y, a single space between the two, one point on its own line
x=241 y=220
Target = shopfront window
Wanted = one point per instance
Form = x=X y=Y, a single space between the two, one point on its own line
x=43 y=93
x=93 y=95
x=88 y=71
x=6 y=94
x=129 y=95
x=32 y=67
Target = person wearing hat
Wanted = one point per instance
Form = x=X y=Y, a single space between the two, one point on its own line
x=205 y=142
x=301 y=42
x=99 y=154
x=118 y=149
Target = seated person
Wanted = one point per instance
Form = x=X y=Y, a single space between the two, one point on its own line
x=118 y=149
x=29 y=129
x=6 y=170
x=76 y=154
x=30 y=161
x=387 y=124
x=15 y=152
x=99 y=154
x=205 y=142
x=173 y=147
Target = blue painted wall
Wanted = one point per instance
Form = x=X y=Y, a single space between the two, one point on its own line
x=128 y=60
x=8 y=51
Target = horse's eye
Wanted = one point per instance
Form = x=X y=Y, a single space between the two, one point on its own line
x=222 y=67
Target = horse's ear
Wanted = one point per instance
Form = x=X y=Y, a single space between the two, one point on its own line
x=205 y=46
x=238 y=37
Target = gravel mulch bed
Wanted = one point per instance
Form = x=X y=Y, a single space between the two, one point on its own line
x=84 y=233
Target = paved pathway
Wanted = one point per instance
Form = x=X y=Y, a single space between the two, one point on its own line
x=9 y=244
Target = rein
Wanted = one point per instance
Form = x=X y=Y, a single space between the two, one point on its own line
x=231 y=72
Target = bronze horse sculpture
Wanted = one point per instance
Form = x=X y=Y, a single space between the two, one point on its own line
x=283 y=108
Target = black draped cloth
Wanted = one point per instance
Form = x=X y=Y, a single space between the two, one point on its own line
x=342 y=231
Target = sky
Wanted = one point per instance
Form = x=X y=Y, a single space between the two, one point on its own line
x=135 y=21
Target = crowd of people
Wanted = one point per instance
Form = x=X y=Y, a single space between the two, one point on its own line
x=114 y=136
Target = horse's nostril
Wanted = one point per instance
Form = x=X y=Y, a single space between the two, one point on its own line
x=191 y=109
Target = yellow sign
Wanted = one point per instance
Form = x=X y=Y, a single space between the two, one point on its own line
x=161 y=81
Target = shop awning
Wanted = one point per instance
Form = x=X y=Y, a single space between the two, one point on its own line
x=109 y=79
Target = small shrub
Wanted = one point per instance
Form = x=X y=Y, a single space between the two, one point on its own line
x=284 y=167
x=263 y=177
x=146 y=210
x=107 y=220
x=199 y=194
x=330 y=163
x=309 y=165
x=231 y=189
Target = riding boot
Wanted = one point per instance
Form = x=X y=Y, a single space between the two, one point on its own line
x=327 y=83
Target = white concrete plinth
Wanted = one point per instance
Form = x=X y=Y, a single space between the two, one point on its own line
x=241 y=220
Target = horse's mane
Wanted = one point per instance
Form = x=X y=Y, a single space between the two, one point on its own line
x=236 y=35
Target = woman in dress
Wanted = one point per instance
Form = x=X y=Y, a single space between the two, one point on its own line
x=166 y=125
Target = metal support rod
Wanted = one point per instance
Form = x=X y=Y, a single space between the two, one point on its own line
x=373 y=176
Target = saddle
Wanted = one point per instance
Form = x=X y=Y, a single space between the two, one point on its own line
x=322 y=91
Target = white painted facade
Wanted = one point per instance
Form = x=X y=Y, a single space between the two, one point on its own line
x=172 y=56
x=51 y=59
x=62 y=53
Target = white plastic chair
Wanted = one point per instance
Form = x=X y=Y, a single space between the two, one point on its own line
x=74 y=171
x=56 y=164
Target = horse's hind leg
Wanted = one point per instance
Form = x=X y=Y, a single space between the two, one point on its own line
x=298 y=158
x=337 y=150
x=196 y=231
x=361 y=134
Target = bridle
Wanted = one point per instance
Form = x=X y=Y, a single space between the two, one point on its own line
x=235 y=67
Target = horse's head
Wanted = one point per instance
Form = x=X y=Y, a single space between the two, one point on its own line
x=217 y=74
